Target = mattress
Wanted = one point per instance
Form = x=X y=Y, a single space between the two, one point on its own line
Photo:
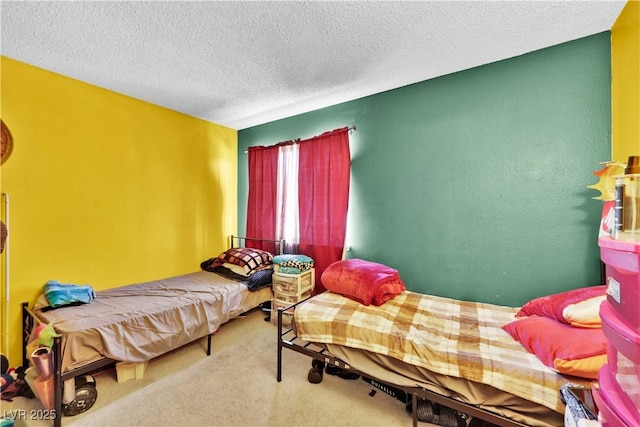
x=138 y=322
x=434 y=342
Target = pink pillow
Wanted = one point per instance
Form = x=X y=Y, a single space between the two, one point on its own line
x=363 y=281
x=565 y=349
x=552 y=305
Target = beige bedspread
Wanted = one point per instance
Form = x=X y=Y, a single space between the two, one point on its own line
x=449 y=337
x=138 y=322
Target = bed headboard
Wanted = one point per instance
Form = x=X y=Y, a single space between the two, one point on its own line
x=276 y=247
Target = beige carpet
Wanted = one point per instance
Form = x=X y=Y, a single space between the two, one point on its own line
x=235 y=386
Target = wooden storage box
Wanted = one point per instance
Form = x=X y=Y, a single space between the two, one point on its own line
x=126 y=371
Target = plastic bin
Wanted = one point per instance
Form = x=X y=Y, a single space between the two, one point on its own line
x=43 y=388
x=622 y=265
x=287 y=316
x=284 y=300
x=607 y=416
x=613 y=410
x=623 y=358
x=293 y=284
x=627 y=203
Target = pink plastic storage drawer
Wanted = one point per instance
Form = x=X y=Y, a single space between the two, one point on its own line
x=622 y=265
x=623 y=359
x=606 y=415
x=613 y=411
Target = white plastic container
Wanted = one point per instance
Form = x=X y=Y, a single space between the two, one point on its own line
x=627 y=203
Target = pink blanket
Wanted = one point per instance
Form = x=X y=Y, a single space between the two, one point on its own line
x=363 y=281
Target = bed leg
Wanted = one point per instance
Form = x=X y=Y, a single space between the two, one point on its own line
x=279 y=375
x=57 y=381
x=27 y=327
x=414 y=409
x=209 y=344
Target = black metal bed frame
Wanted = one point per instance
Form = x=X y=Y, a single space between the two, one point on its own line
x=287 y=338
x=30 y=320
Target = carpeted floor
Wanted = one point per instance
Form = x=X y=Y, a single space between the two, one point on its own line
x=235 y=386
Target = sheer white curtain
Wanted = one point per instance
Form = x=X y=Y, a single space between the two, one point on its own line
x=287 y=194
x=299 y=191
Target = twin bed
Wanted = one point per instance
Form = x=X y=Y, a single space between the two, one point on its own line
x=138 y=322
x=441 y=350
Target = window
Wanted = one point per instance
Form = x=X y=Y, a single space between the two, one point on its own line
x=299 y=191
x=287 y=220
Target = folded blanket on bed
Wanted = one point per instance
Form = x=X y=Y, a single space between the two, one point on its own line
x=61 y=294
x=292 y=263
x=363 y=281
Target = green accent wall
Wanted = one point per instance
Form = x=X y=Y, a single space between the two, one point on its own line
x=474 y=184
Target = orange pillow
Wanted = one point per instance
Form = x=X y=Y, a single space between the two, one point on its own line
x=572 y=351
x=584 y=314
x=552 y=306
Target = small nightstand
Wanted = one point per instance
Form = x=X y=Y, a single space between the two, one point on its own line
x=288 y=289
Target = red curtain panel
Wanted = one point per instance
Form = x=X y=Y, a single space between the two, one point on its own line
x=263 y=185
x=323 y=197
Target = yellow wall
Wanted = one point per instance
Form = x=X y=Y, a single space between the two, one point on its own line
x=105 y=189
x=625 y=70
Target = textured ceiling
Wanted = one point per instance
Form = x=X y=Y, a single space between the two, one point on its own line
x=243 y=63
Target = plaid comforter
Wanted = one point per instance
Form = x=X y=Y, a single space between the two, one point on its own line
x=449 y=337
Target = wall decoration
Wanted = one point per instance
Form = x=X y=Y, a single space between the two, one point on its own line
x=3 y=236
x=7 y=142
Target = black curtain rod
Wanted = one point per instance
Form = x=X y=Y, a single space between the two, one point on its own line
x=349 y=129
